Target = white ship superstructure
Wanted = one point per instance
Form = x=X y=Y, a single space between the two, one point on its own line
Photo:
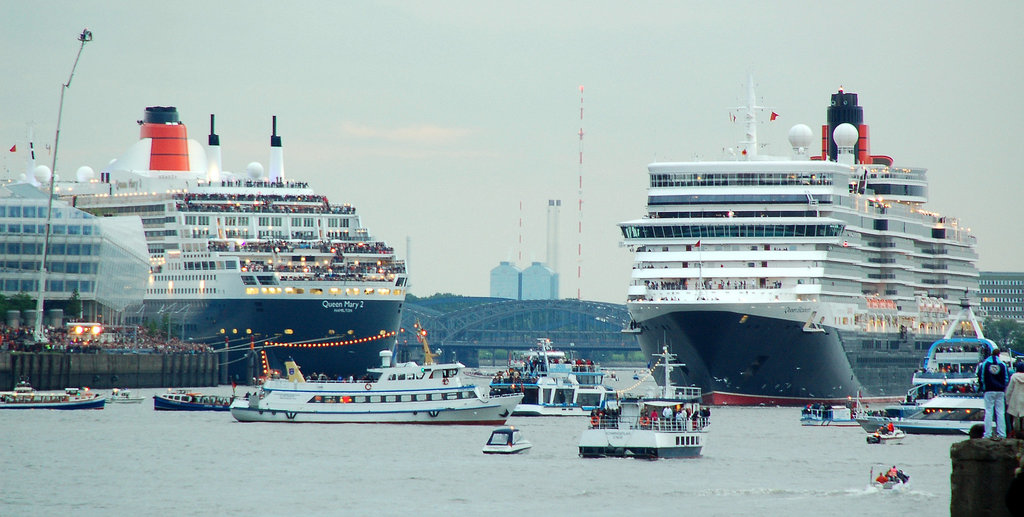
x=782 y=280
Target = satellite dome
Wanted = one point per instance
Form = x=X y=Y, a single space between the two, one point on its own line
x=42 y=174
x=254 y=170
x=84 y=174
x=800 y=136
x=845 y=135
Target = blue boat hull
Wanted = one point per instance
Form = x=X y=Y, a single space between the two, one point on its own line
x=160 y=404
x=335 y=337
x=89 y=404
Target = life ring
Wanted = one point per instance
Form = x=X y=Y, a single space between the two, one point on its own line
x=445 y=381
x=595 y=421
x=368 y=386
x=644 y=421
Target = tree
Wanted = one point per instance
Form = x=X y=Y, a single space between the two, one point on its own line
x=1003 y=332
x=74 y=305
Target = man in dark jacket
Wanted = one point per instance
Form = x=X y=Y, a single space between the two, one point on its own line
x=993 y=376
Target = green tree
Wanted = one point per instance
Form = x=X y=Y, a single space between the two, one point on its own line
x=1003 y=332
x=74 y=305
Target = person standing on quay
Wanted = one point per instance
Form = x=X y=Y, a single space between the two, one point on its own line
x=993 y=376
x=1015 y=400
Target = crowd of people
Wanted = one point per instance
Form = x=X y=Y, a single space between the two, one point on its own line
x=260 y=203
x=123 y=340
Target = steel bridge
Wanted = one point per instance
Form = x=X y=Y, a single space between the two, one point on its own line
x=463 y=326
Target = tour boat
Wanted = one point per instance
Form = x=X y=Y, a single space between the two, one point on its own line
x=943 y=414
x=123 y=396
x=187 y=400
x=25 y=397
x=406 y=393
x=552 y=384
x=506 y=440
x=640 y=427
x=826 y=415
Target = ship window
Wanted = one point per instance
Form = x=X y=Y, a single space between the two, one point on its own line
x=406 y=398
x=359 y=399
x=390 y=398
x=375 y=398
x=248 y=280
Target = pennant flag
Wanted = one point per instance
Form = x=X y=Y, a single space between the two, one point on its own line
x=774 y=115
x=14 y=148
x=698 y=243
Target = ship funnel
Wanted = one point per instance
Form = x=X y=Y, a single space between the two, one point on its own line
x=215 y=164
x=385 y=358
x=169 y=149
x=276 y=155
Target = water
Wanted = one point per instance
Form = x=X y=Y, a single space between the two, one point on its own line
x=132 y=460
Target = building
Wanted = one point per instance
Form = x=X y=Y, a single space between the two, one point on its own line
x=506 y=281
x=1002 y=294
x=539 y=283
x=104 y=259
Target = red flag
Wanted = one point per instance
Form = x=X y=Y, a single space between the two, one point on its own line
x=698 y=243
x=14 y=148
x=774 y=115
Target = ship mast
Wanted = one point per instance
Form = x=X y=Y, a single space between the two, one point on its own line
x=665 y=358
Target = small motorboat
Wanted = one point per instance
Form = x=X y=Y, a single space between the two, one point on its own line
x=123 y=396
x=506 y=440
x=896 y=436
x=889 y=479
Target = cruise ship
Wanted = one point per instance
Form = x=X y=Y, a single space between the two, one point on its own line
x=254 y=263
x=814 y=277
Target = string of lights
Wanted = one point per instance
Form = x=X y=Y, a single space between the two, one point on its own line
x=650 y=371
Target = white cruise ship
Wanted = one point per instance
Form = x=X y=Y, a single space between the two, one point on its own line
x=249 y=260
x=787 y=280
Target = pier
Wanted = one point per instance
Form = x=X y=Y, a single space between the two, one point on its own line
x=59 y=370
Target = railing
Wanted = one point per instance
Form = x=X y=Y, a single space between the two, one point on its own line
x=659 y=424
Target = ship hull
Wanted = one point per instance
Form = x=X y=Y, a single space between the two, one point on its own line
x=745 y=358
x=337 y=338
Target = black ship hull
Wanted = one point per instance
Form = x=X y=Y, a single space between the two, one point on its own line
x=336 y=338
x=744 y=359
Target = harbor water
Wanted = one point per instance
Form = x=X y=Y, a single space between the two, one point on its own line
x=132 y=460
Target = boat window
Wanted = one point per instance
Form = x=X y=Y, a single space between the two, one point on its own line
x=401 y=376
x=390 y=398
x=406 y=398
x=500 y=439
x=435 y=396
x=450 y=396
x=375 y=398
x=358 y=399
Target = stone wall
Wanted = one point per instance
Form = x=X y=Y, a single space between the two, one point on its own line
x=982 y=472
x=56 y=371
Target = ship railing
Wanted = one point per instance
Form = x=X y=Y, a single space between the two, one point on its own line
x=697 y=424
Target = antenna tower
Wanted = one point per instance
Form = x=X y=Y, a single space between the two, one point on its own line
x=579 y=212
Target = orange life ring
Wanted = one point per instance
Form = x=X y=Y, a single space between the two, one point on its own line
x=595 y=421
x=368 y=386
x=445 y=381
x=644 y=421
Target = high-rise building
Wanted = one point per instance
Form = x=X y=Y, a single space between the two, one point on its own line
x=1002 y=294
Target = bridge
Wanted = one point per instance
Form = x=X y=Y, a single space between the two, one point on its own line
x=475 y=330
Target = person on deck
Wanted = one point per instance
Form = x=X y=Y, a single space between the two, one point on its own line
x=993 y=376
x=1015 y=400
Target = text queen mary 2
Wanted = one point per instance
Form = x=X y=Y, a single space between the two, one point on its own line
x=262 y=264
x=792 y=280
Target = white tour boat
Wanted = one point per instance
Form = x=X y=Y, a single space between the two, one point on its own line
x=671 y=425
x=405 y=393
x=828 y=415
x=124 y=396
x=506 y=440
x=553 y=384
x=944 y=414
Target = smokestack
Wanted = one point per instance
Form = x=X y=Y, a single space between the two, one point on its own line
x=276 y=155
x=215 y=165
x=169 y=150
x=554 y=206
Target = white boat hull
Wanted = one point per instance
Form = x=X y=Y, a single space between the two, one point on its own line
x=665 y=441
x=469 y=411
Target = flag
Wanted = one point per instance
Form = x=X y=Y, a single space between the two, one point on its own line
x=14 y=148
x=774 y=115
x=698 y=243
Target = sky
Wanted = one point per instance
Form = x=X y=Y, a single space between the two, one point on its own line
x=449 y=125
